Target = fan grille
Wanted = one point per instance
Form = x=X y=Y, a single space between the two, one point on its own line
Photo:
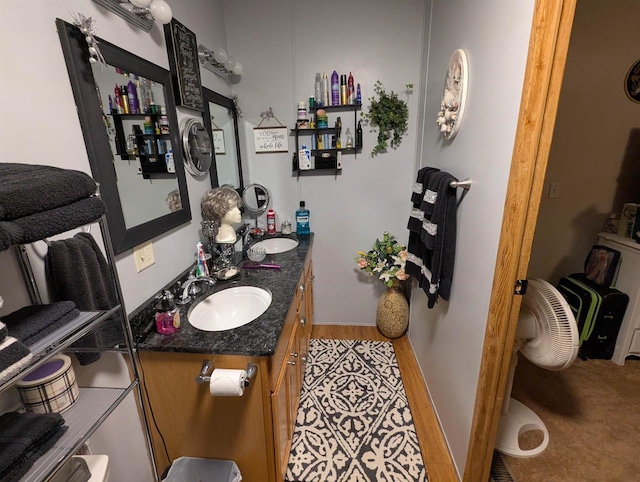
x=556 y=345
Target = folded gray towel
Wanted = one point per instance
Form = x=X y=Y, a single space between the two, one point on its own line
x=31 y=320
x=14 y=357
x=22 y=466
x=48 y=223
x=49 y=187
x=24 y=437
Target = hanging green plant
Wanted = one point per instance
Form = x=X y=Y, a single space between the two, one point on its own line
x=389 y=114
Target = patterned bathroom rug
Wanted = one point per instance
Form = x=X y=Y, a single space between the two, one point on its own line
x=354 y=423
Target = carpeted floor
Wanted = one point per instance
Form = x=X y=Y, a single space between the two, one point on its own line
x=354 y=422
x=592 y=413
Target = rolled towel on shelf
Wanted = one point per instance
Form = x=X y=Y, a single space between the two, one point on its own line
x=14 y=357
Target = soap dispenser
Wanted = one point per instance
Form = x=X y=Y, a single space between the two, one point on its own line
x=167 y=315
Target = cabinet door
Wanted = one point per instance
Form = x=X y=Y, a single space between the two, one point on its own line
x=284 y=405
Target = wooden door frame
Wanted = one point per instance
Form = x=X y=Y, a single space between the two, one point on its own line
x=548 y=47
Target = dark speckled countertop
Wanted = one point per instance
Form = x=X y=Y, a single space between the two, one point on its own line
x=258 y=338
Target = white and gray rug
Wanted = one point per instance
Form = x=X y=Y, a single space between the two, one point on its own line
x=354 y=423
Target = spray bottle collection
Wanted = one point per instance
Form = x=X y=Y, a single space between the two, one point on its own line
x=341 y=91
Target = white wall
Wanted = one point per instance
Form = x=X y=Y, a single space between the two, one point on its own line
x=448 y=340
x=282 y=44
x=596 y=144
x=39 y=125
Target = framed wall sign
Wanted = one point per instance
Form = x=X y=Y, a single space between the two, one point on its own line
x=218 y=141
x=271 y=139
x=182 y=49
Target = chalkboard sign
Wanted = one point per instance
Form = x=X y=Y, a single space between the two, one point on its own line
x=183 y=62
x=270 y=139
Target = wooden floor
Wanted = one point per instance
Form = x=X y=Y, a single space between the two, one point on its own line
x=434 y=450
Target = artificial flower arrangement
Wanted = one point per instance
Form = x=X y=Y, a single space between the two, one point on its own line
x=386 y=260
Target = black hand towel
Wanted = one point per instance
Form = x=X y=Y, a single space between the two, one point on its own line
x=34 y=320
x=14 y=357
x=3 y=330
x=49 y=187
x=77 y=271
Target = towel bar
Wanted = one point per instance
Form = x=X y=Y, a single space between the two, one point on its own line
x=466 y=184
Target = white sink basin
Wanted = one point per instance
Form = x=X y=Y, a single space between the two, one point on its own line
x=277 y=245
x=229 y=308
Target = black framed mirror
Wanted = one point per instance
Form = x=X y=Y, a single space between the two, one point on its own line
x=221 y=120
x=132 y=138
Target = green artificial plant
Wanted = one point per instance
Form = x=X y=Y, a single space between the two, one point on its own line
x=390 y=115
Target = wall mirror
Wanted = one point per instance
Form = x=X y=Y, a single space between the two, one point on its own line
x=221 y=119
x=131 y=135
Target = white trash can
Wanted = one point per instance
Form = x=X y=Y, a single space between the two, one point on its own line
x=194 y=469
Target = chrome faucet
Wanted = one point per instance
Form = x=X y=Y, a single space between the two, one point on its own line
x=189 y=288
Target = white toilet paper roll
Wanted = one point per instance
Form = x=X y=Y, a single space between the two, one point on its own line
x=227 y=383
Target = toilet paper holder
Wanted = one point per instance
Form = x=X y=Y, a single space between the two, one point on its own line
x=208 y=365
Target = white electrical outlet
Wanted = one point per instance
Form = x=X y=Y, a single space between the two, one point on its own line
x=143 y=256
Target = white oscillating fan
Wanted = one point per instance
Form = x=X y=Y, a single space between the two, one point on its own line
x=548 y=336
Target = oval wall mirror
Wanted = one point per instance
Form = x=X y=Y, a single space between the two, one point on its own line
x=196 y=144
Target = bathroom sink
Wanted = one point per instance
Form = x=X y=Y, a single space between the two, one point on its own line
x=230 y=308
x=277 y=245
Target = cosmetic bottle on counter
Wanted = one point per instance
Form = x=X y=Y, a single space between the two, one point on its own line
x=302 y=220
x=271 y=222
x=167 y=315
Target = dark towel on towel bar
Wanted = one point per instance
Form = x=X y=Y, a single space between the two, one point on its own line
x=33 y=322
x=3 y=330
x=49 y=187
x=25 y=437
x=431 y=251
x=78 y=271
x=14 y=357
x=48 y=223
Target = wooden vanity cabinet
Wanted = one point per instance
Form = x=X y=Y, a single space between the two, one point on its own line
x=291 y=363
x=254 y=430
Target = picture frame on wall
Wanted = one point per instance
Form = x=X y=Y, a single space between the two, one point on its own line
x=182 y=50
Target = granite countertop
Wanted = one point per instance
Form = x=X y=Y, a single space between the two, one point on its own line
x=258 y=338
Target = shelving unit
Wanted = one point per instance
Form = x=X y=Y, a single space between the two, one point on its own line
x=94 y=404
x=333 y=155
x=152 y=161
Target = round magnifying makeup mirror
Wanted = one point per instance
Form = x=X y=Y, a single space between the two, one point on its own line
x=255 y=199
x=197 y=146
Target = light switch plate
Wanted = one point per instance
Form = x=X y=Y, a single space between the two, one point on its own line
x=143 y=256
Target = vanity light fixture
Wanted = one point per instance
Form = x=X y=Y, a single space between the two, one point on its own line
x=219 y=62
x=140 y=13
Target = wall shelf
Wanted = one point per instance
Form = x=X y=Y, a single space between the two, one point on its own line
x=332 y=163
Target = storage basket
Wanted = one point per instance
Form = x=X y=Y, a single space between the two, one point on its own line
x=51 y=387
